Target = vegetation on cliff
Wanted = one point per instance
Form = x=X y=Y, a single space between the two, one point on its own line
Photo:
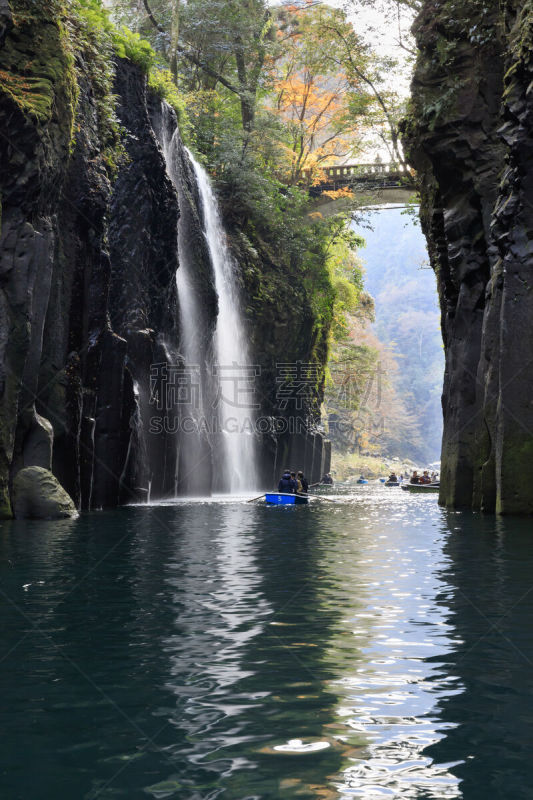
x=272 y=94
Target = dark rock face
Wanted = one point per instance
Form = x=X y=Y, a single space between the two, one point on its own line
x=468 y=134
x=88 y=298
x=87 y=289
x=291 y=352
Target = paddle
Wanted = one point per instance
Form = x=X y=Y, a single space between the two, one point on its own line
x=256 y=498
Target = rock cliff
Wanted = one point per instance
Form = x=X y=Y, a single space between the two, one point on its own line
x=88 y=259
x=468 y=134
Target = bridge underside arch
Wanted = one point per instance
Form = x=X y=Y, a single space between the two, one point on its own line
x=328 y=206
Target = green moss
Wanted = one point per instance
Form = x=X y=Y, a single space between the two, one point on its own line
x=37 y=66
x=521 y=40
x=161 y=83
x=520 y=49
x=289 y=302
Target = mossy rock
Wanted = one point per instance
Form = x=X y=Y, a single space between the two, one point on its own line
x=37 y=494
x=37 y=66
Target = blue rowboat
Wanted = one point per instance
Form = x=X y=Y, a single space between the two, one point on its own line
x=286 y=499
x=362 y=480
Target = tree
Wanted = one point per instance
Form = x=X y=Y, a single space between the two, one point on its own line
x=312 y=94
x=227 y=40
x=363 y=68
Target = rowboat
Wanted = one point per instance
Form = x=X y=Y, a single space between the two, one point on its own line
x=421 y=487
x=282 y=499
x=362 y=480
x=392 y=483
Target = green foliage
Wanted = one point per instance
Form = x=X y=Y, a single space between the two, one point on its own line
x=161 y=83
x=94 y=15
x=92 y=38
x=37 y=67
x=347 y=278
x=130 y=45
x=101 y=40
x=122 y=41
x=353 y=373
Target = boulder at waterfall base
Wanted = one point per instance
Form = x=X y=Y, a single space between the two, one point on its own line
x=37 y=494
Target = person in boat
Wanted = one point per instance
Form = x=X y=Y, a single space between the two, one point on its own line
x=327 y=479
x=424 y=478
x=415 y=478
x=392 y=478
x=304 y=483
x=286 y=484
x=298 y=483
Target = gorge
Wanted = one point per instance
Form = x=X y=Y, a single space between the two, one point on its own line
x=186 y=313
x=103 y=206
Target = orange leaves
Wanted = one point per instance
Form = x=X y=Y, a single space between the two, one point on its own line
x=337 y=194
x=310 y=90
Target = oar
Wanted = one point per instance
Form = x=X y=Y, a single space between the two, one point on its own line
x=256 y=498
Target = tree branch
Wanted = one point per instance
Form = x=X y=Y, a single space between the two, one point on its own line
x=190 y=56
x=152 y=19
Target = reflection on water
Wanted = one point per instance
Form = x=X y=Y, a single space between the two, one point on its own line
x=373 y=647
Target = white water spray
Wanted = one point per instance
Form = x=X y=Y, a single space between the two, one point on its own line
x=231 y=351
x=193 y=467
x=233 y=452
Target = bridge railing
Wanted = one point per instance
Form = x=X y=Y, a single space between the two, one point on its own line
x=346 y=171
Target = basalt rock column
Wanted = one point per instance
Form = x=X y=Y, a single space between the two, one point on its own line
x=509 y=325
x=451 y=137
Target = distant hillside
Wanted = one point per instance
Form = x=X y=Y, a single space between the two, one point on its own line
x=407 y=317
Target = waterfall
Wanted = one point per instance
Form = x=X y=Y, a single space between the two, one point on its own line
x=231 y=351
x=220 y=452
x=194 y=459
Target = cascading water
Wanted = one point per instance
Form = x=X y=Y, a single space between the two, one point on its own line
x=231 y=351
x=194 y=462
x=220 y=357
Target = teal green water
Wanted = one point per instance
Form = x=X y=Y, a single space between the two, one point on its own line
x=375 y=648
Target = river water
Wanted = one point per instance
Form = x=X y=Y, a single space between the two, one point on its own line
x=375 y=647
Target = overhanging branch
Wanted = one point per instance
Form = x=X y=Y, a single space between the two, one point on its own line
x=191 y=57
